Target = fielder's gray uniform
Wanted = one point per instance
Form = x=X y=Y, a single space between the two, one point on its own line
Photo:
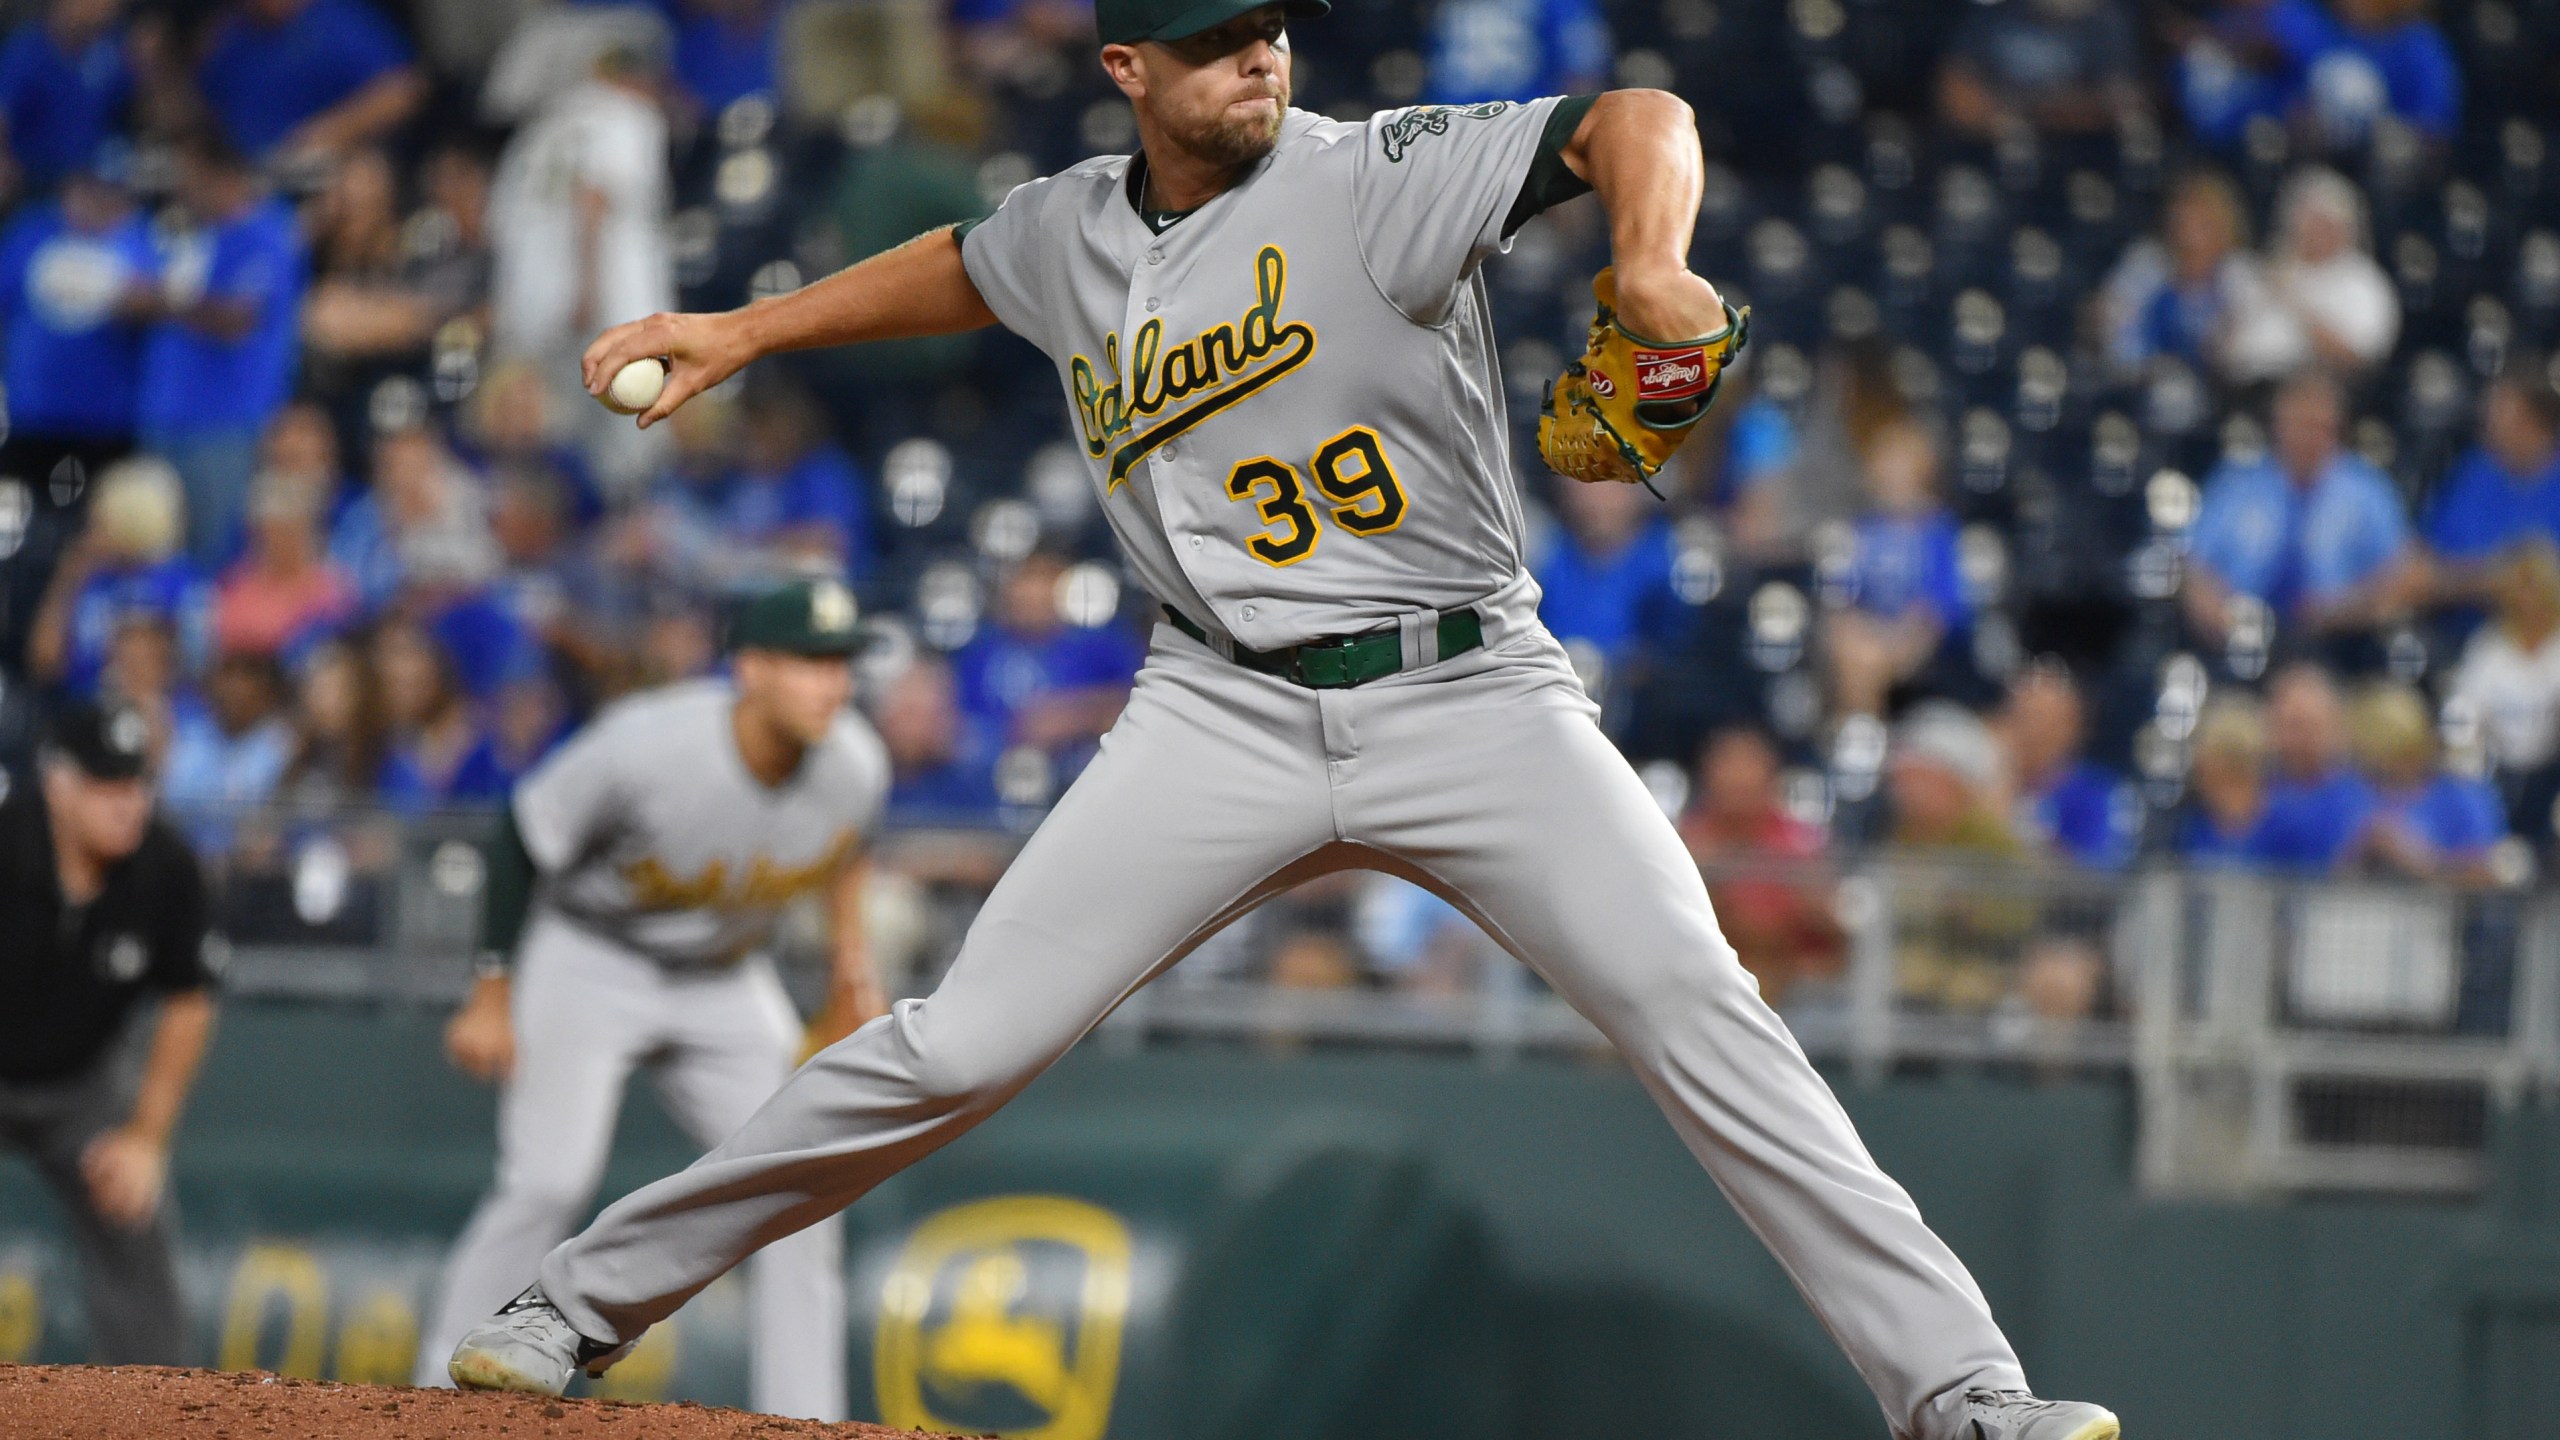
x=1294 y=416
x=664 y=863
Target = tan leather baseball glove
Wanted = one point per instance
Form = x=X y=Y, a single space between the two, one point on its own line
x=1623 y=409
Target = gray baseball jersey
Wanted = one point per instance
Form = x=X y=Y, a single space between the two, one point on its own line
x=651 y=833
x=1225 y=375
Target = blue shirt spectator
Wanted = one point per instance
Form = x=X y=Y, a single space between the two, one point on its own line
x=271 y=66
x=2424 y=824
x=794 y=497
x=68 y=268
x=413 y=784
x=2174 y=295
x=2226 y=74
x=726 y=52
x=2312 y=824
x=1031 y=678
x=442 y=751
x=2090 y=813
x=2263 y=535
x=489 y=644
x=1606 y=571
x=2092 y=816
x=2507 y=488
x=2337 y=62
x=1760 y=447
x=170 y=590
x=2316 y=806
x=2080 y=808
x=1908 y=562
x=1896 y=595
x=1004 y=672
x=194 y=378
x=1483 y=50
x=815 y=504
x=942 y=763
x=2482 y=507
x=64 y=81
x=228 y=752
x=2340 y=70
x=220 y=363
x=2226 y=797
x=959 y=786
x=2310 y=526
x=2456 y=815
x=362 y=544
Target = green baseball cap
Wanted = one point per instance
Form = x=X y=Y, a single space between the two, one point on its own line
x=1126 y=22
x=799 y=617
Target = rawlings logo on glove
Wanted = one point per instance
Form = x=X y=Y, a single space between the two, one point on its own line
x=1623 y=410
x=1670 y=374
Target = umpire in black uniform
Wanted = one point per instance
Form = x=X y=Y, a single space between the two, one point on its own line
x=101 y=906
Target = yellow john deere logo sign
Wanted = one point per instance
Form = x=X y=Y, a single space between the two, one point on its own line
x=1005 y=1315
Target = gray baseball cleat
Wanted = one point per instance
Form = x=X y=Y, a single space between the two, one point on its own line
x=2017 y=1415
x=528 y=1346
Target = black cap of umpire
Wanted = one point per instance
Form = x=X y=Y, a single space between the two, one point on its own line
x=108 y=740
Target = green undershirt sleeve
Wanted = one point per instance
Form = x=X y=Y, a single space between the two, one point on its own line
x=507 y=895
x=961 y=231
x=1551 y=182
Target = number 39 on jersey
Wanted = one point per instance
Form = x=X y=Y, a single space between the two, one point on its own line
x=1352 y=476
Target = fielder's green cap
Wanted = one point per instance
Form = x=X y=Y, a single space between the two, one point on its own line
x=800 y=617
x=1126 y=22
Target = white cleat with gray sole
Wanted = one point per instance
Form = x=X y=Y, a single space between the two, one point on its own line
x=528 y=1347
x=2017 y=1415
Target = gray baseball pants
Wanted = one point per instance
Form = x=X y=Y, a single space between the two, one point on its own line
x=1484 y=778
x=135 y=1317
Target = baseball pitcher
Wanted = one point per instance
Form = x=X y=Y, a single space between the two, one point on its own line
x=654 y=852
x=1274 y=345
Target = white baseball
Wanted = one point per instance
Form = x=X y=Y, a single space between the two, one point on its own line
x=635 y=386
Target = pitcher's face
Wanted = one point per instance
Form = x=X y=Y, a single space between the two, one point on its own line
x=1218 y=95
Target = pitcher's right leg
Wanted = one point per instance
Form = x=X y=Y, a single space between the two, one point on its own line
x=582 y=1013
x=1212 y=783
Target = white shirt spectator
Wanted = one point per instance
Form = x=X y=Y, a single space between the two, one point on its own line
x=2516 y=694
x=2347 y=295
x=2319 y=286
x=599 y=143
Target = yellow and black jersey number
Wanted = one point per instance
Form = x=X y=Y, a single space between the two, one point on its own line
x=1351 y=471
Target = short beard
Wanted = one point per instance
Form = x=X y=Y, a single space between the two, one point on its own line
x=1230 y=144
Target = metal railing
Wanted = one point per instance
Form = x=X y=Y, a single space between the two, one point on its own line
x=2283 y=1035
x=2343 y=1036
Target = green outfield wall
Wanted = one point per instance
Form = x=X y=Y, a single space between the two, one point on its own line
x=1222 y=1244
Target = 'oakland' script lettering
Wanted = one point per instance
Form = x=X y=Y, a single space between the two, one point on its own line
x=1224 y=363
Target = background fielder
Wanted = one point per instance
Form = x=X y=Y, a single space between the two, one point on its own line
x=1273 y=335
x=667 y=839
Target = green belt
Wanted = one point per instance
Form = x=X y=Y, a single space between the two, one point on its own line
x=1341 y=661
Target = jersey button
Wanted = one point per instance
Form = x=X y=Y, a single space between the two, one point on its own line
x=1196 y=542
x=1247 y=612
x=1169 y=450
x=1151 y=302
x=1155 y=257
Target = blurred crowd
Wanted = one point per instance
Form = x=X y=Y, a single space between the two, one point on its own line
x=2149 y=445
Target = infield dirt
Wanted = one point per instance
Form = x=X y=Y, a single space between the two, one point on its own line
x=140 y=1402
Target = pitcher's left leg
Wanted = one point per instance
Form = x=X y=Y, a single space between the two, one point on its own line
x=1503 y=788
x=737 y=1037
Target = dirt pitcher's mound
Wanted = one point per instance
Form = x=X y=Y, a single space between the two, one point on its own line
x=141 y=1402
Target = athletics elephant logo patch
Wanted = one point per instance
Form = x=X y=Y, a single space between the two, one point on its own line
x=1399 y=134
